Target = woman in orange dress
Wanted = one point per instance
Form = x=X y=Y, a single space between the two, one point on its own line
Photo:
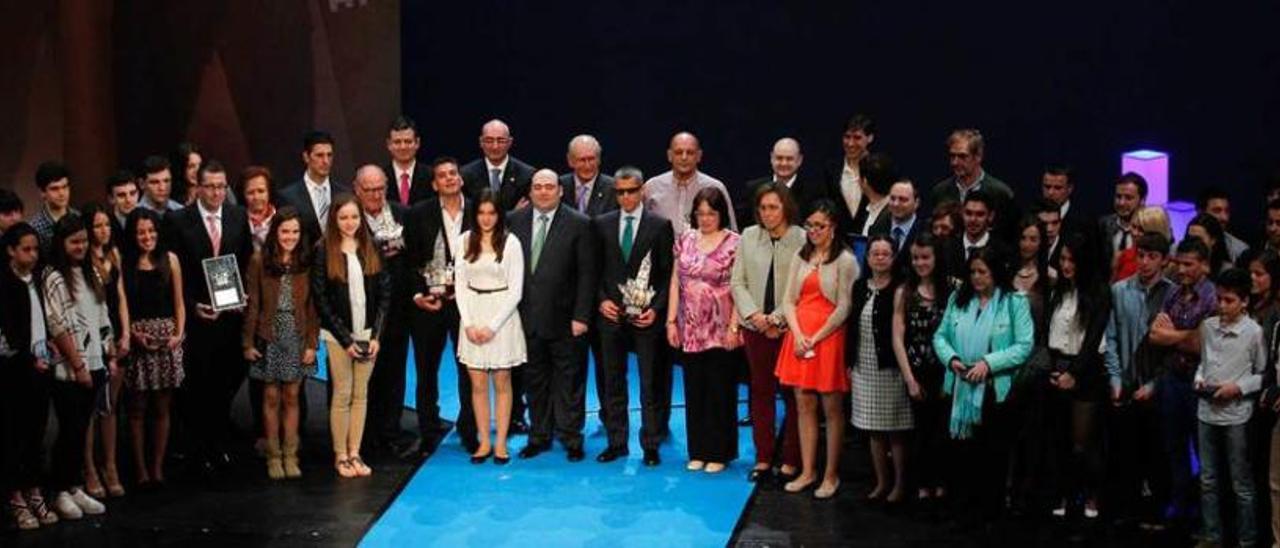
x=812 y=358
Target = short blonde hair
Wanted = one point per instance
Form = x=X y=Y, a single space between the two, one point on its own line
x=1154 y=220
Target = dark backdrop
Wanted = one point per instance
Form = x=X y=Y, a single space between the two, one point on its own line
x=1078 y=82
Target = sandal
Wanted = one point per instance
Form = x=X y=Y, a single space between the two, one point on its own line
x=23 y=519
x=345 y=468
x=41 y=510
x=114 y=488
x=93 y=485
x=360 y=467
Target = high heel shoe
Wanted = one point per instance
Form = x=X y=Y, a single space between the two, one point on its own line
x=501 y=460
x=479 y=459
x=114 y=488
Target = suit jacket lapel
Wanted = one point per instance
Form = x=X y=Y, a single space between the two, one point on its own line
x=644 y=235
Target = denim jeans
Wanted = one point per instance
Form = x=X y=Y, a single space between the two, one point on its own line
x=1229 y=446
x=1177 y=408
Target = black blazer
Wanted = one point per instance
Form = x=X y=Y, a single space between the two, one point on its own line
x=603 y=198
x=803 y=192
x=1089 y=367
x=654 y=236
x=563 y=287
x=334 y=303
x=850 y=221
x=187 y=237
x=296 y=195
x=955 y=252
x=15 y=323
x=419 y=184
x=515 y=181
x=881 y=324
x=422 y=224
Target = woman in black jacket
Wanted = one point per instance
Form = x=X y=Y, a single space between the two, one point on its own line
x=1077 y=313
x=24 y=379
x=352 y=292
x=880 y=402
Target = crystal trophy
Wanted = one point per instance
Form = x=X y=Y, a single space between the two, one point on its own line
x=636 y=293
x=438 y=272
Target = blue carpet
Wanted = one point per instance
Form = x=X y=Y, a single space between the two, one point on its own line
x=548 y=501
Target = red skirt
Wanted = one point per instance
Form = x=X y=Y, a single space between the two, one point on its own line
x=825 y=371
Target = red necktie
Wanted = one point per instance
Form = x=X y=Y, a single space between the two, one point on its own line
x=404 y=188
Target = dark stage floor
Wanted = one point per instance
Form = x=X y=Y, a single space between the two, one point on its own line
x=244 y=509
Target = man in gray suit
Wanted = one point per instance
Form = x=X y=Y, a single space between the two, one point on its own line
x=559 y=294
x=586 y=189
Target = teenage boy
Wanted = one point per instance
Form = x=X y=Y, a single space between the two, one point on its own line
x=1232 y=359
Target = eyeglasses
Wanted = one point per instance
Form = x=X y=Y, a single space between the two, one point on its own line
x=495 y=140
x=626 y=191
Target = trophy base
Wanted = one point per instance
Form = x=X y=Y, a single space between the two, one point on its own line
x=633 y=311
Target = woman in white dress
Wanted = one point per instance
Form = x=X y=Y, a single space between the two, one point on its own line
x=489 y=281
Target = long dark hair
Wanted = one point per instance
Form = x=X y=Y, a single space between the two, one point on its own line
x=938 y=278
x=271 y=261
x=1042 y=255
x=1270 y=261
x=159 y=257
x=60 y=261
x=838 y=246
x=1218 y=252
x=1088 y=284
x=93 y=210
x=1001 y=273
x=499 y=230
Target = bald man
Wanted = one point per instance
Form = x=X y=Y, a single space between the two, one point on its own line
x=386 y=220
x=585 y=188
x=498 y=169
x=559 y=298
x=785 y=160
x=671 y=194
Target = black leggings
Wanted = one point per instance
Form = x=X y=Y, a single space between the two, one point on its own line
x=73 y=405
x=24 y=415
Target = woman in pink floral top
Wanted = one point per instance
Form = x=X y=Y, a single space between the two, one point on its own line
x=702 y=321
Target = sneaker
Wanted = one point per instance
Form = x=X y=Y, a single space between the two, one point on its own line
x=87 y=504
x=65 y=507
x=1090 y=510
x=1060 y=511
x=41 y=510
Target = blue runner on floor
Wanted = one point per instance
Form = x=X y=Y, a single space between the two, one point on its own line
x=548 y=501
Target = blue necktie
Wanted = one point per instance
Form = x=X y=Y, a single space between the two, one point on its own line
x=495 y=179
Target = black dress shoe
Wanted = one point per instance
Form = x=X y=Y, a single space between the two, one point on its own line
x=758 y=475
x=745 y=421
x=501 y=461
x=611 y=454
x=576 y=454
x=533 y=450
x=518 y=427
x=651 y=457
x=479 y=459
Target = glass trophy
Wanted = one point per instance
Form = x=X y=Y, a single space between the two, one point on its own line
x=222 y=277
x=438 y=272
x=636 y=293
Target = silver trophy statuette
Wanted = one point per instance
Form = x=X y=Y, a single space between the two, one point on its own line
x=636 y=293
x=438 y=273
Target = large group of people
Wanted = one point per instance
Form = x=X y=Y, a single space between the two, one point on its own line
x=1001 y=352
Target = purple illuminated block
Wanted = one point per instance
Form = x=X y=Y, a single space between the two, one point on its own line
x=1154 y=167
x=1180 y=215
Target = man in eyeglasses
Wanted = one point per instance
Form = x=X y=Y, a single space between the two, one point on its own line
x=498 y=170
x=965 y=148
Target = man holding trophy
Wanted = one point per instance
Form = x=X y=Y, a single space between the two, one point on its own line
x=213 y=238
x=433 y=239
x=635 y=270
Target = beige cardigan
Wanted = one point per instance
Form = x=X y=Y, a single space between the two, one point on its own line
x=837 y=286
x=751 y=269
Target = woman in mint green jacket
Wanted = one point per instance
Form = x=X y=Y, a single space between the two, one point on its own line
x=985 y=336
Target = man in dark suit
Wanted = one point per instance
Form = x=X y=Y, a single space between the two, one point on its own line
x=979 y=218
x=878 y=174
x=313 y=193
x=586 y=189
x=965 y=149
x=1051 y=217
x=438 y=221
x=559 y=290
x=1056 y=188
x=386 y=221
x=497 y=169
x=215 y=367
x=625 y=237
x=1130 y=196
x=785 y=159
x=901 y=222
x=409 y=185
x=842 y=182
